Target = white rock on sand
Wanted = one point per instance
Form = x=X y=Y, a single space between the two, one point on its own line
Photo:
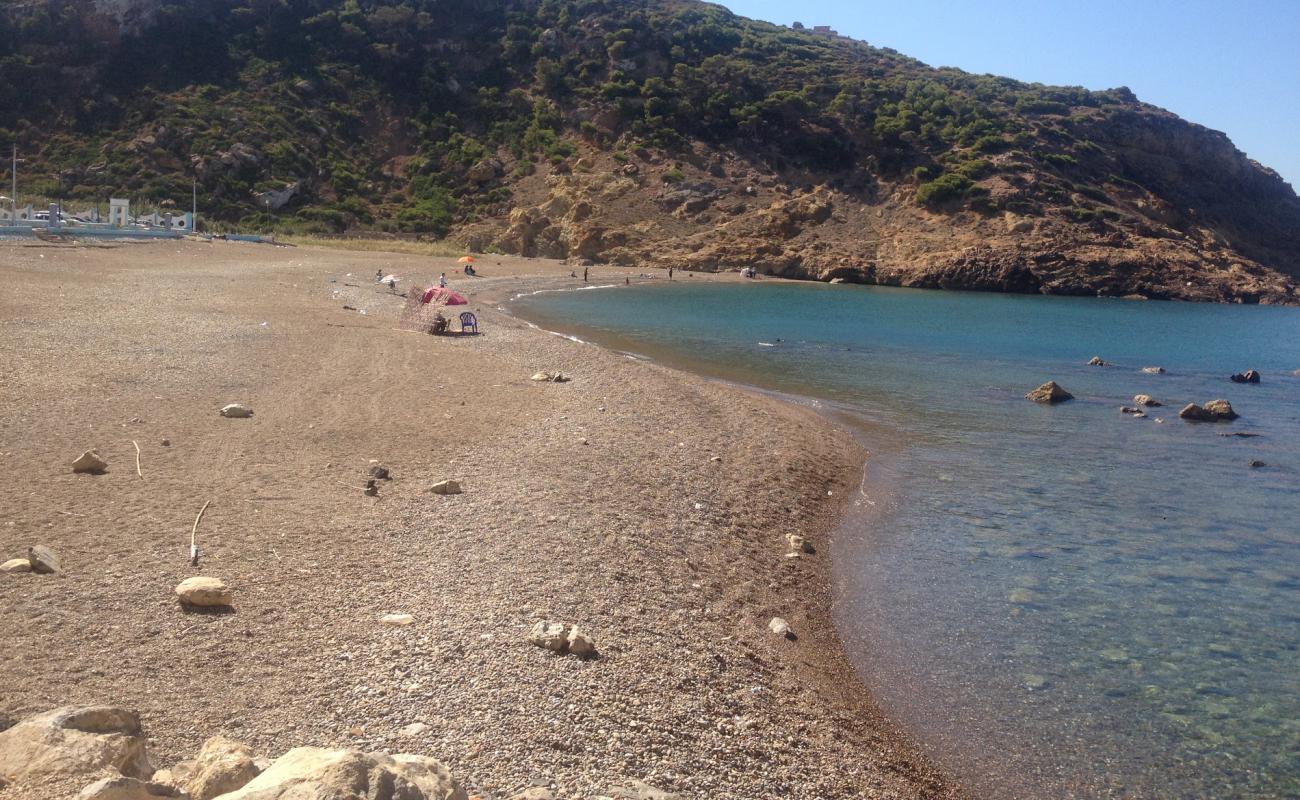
x=397 y=620
x=16 y=565
x=314 y=773
x=236 y=410
x=550 y=635
x=204 y=592
x=90 y=463
x=579 y=643
x=781 y=628
x=446 y=487
x=74 y=741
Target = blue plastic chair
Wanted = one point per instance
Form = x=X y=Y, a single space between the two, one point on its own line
x=468 y=321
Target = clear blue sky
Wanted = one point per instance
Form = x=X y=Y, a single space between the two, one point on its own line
x=1231 y=65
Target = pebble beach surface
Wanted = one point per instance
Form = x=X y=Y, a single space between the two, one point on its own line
x=649 y=508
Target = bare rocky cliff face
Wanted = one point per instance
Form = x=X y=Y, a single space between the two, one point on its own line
x=727 y=213
x=128 y=15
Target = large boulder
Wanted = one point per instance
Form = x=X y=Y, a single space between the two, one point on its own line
x=73 y=741
x=221 y=766
x=204 y=592
x=1049 y=392
x=1222 y=409
x=314 y=773
x=120 y=787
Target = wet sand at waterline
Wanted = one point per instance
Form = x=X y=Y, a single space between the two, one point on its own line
x=648 y=506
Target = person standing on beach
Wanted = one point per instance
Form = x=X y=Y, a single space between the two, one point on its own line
x=670 y=273
x=442 y=281
x=584 y=274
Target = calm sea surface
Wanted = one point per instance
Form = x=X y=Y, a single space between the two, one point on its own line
x=1059 y=601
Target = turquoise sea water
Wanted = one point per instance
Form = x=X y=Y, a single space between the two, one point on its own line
x=1058 y=601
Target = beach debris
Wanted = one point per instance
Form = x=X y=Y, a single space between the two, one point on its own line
x=378 y=471
x=446 y=487
x=1049 y=392
x=1146 y=400
x=799 y=543
x=222 y=765
x=562 y=638
x=166 y=442
x=137 y=458
x=1154 y=370
x=372 y=488
x=74 y=741
x=90 y=463
x=397 y=620
x=194 y=535
x=716 y=459
x=553 y=377
x=120 y=787
x=1256 y=463
x=1212 y=411
x=781 y=628
x=43 y=560
x=1249 y=376
x=317 y=773
x=236 y=411
x=16 y=565
x=1096 y=361
x=204 y=592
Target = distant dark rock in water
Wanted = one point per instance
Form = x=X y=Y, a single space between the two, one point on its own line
x=1137 y=412
x=1096 y=361
x=1256 y=464
x=1249 y=376
x=1049 y=392
x=1213 y=411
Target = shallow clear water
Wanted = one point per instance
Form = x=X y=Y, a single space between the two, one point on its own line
x=1059 y=601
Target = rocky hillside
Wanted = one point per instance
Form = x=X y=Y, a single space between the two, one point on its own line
x=650 y=131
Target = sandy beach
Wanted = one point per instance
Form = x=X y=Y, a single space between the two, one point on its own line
x=646 y=505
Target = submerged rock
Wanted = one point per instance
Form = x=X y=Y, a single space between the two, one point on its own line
x=1146 y=400
x=1213 y=411
x=1154 y=370
x=1096 y=361
x=1049 y=392
x=1249 y=376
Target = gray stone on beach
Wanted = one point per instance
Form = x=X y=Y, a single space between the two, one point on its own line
x=445 y=487
x=798 y=543
x=16 y=565
x=43 y=560
x=236 y=411
x=781 y=628
x=580 y=644
x=90 y=463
